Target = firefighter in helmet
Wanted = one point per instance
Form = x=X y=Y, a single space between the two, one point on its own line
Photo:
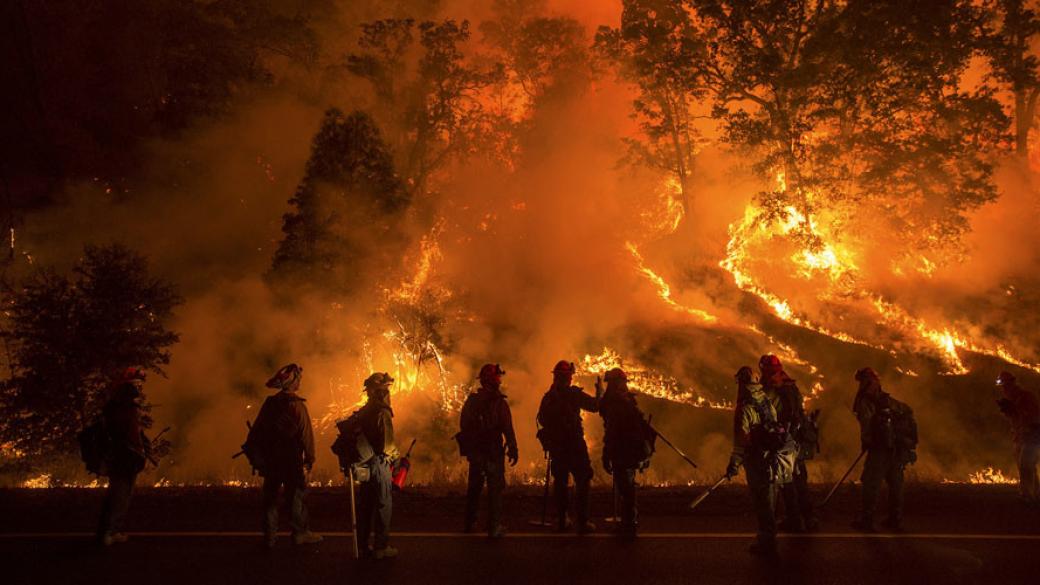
x=888 y=434
x=486 y=439
x=1020 y=407
x=124 y=424
x=766 y=451
x=283 y=439
x=563 y=436
x=798 y=507
x=375 y=502
x=628 y=443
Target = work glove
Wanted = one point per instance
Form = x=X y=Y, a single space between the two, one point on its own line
x=733 y=468
x=911 y=457
x=607 y=466
x=599 y=387
x=513 y=457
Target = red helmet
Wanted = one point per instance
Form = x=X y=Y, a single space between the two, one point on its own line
x=131 y=374
x=615 y=374
x=491 y=373
x=769 y=361
x=564 y=367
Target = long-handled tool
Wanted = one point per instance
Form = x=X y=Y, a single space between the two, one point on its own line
x=544 y=522
x=707 y=492
x=249 y=426
x=674 y=448
x=842 y=480
x=353 y=514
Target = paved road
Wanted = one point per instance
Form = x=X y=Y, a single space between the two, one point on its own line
x=960 y=535
x=529 y=559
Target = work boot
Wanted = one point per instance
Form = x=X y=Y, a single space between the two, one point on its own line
x=586 y=527
x=498 y=531
x=109 y=538
x=387 y=552
x=564 y=525
x=270 y=540
x=306 y=538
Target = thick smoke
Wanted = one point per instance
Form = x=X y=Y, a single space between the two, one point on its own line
x=537 y=266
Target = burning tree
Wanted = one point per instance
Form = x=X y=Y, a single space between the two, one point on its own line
x=69 y=334
x=856 y=105
x=543 y=56
x=860 y=108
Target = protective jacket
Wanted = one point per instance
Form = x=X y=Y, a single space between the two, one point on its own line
x=791 y=414
x=760 y=440
x=123 y=422
x=1023 y=412
x=884 y=422
x=486 y=426
x=560 y=415
x=628 y=438
x=377 y=424
x=283 y=433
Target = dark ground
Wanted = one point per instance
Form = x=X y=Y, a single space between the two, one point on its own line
x=955 y=534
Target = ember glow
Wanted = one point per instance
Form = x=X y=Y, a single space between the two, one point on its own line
x=987 y=475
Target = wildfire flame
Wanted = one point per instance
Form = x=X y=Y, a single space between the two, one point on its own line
x=822 y=258
x=646 y=381
x=663 y=289
x=987 y=475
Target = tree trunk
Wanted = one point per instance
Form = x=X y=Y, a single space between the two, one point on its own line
x=1022 y=124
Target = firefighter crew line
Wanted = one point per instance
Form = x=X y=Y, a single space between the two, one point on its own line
x=773 y=437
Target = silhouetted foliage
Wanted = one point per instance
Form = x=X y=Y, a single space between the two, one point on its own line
x=87 y=82
x=658 y=49
x=68 y=335
x=850 y=102
x=1010 y=32
x=345 y=211
x=431 y=102
x=547 y=57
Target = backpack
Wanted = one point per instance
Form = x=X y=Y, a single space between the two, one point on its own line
x=553 y=416
x=482 y=428
x=780 y=449
x=255 y=451
x=904 y=428
x=95 y=447
x=809 y=435
x=351 y=446
x=893 y=425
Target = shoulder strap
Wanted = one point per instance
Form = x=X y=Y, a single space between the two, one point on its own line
x=764 y=412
